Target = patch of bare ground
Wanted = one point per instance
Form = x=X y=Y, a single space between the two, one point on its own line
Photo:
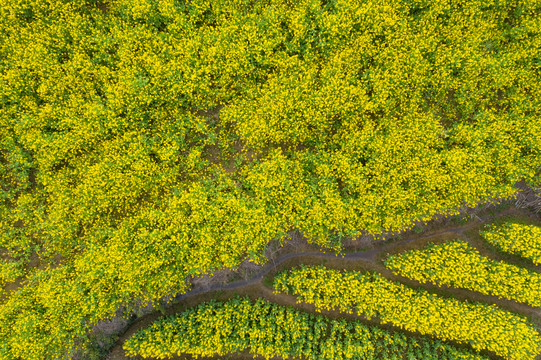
x=530 y=199
x=104 y=7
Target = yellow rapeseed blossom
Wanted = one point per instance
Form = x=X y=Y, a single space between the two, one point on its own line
x=483 y=326
x=457 y=264
x=270 y=330
x=520 y=239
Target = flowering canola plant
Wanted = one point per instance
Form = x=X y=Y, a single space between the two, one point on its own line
x=483 y=326
x=519 y=239
x=268 y=330
x=459 y=265
x=118 y=122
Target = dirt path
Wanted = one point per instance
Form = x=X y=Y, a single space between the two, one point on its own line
x=370 y=259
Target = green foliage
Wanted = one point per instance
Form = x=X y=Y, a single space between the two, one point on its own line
x=483 y=326
x=515 y=238
x=362 y=117
x=270 y=330
x=459 y=265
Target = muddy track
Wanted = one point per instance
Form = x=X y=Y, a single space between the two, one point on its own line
x=368 y=255
x=254 y=286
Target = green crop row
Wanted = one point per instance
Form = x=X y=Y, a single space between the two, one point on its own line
x=482 y=326
x=269 y=330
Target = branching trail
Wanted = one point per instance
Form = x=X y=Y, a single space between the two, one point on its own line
x=254 y=286
x=368 y=255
